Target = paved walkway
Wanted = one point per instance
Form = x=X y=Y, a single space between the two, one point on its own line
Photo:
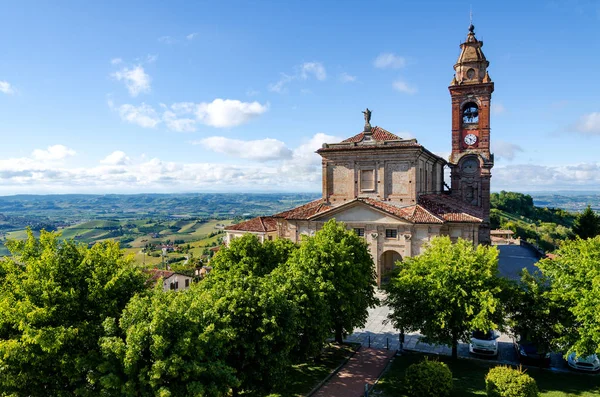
x=364 y=367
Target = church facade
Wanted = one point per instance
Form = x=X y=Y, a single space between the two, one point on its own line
x=391 y=191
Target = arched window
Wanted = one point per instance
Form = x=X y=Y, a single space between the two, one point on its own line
x=470 y=113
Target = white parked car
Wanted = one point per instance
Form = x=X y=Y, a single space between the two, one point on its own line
x=589 y=363
x=484 y=343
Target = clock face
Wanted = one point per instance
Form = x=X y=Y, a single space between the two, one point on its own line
x=470 y=165
x=470 y=139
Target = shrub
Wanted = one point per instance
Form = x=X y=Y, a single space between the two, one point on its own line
x=428 y=378
x=510 y=382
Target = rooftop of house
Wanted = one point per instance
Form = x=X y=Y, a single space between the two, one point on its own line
x=261 y=224
x=155 y=274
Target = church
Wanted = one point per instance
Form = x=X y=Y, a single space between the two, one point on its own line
x=391 y=191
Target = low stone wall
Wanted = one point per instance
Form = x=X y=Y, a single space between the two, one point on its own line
x=535 y=249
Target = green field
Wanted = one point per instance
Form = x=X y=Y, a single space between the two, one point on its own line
x=469 y=379
x=135 y=235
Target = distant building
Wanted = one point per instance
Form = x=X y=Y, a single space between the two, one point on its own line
x=171 y=280
x=391 y=191
x=499 y=237
x=202 y=271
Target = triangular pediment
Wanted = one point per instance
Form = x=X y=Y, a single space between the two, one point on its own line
x=358 y=211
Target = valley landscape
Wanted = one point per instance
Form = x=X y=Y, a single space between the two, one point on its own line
x=142 y=223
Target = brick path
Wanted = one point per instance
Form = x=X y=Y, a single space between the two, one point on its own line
x=364 y=367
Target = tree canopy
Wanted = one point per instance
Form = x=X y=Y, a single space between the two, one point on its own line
x=574 y=273
x=167 y=344
x=531 y=312
x=341 y=268
x=446 y=292
x=587 y=224
x=54 y=298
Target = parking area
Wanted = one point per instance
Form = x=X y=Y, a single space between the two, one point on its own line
x=378 y=333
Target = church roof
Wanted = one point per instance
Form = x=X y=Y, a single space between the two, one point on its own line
x=378 y=134
x=260 y=224
x=411 y=213
x=431 y=208
x=306 y=211
x=450 y=208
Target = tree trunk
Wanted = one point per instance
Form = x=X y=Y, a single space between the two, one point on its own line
x=339 y=335
x=454 y=349
x=235 y=392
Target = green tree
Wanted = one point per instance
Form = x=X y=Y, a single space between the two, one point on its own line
x=342 y=270
x=313 y=322
x=249 y=255
x=574 y=273
x=531 y=312
x=446 y=292
x=54 y=297
x=260 y=322
x=261 y=316
x=167 y=344
x=587 y=224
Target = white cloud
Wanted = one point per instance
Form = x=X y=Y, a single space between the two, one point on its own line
x=191 y=36
x=303 y=72
x=183 y=116
x=588 y=124
x=116 y=158
x=228 y=112
x=402 y=86
x=279 y=87
x=167 y=40
x=505 y=150
x=53 y=153
x=538 y=177
x=179 y=124
x=257 y=150
x=388 y=60
x=136 y=80
x=313 y=68
x=347 y=78
x=116 y=61
x=498 y=108
x=142 y=115
x=6 y=88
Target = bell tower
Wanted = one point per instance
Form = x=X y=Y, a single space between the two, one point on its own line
x=471 y=161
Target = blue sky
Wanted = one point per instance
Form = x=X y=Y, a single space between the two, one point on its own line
x=126 y=97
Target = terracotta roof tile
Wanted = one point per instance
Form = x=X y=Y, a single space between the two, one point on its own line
x=450 y=208
x=306 y=211
x=155 y=274
x=411 y=213
x=379 y=134
x=259 y=224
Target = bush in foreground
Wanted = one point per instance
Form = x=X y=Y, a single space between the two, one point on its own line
x=428 y=378
x=510 y=382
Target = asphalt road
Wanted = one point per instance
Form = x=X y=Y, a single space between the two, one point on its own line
x=513 y=258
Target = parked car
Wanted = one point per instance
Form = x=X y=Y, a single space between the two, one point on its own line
x=484 y=343
x=529 y=352
x=589 y=363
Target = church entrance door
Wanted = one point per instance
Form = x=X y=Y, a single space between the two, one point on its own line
x=387 y=263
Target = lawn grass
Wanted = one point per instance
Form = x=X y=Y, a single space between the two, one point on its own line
x=304 y=377
x=469 y=379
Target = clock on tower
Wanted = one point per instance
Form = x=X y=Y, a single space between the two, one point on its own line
x=471 y=161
